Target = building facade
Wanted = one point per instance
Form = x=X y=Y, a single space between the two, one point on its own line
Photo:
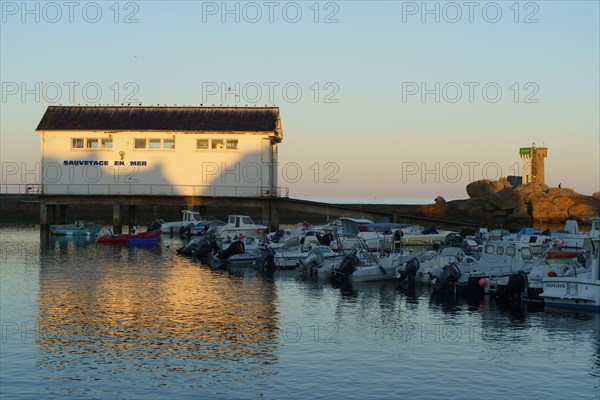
x=200 y=151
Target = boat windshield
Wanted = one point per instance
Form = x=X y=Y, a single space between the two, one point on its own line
x=452 y=251
x=526 y=253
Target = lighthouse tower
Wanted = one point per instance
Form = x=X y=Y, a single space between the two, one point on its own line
x=533 y=163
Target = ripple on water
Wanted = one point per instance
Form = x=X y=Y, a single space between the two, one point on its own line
x=85 y=320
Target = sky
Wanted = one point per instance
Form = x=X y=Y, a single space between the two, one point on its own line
x=378 y=99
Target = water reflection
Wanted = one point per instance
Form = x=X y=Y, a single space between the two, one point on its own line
x=132 y=308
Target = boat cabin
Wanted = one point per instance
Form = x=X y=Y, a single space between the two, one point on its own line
x=191 y=216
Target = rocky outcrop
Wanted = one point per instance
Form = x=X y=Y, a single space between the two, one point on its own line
x=499 y=203
x=486 y=187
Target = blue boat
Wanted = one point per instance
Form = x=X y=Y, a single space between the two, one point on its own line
x=79 y=228
x=142 y=242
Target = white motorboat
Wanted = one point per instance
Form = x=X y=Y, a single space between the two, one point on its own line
x=499 y=260
x=240 y=225
x=578 y=290
x=289 y=255
x=188 y=218
x=572 y=238
x=361 y=265
x=416 y=235
x=433 y=262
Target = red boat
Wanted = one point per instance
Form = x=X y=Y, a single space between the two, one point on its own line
x=123 y=237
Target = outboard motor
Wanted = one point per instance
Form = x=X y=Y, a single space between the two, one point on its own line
x=398 y=235
x=314 y=260
x=266 y=262
x=517 y=283
x=409 y=271
x=189 y=247
x=205 y=247
x=234 y=248
x=430 y=230
x=277 y=236
x=156 y=224
x=347 y=266
x=452 y=239
x=326 y=239
x=450 y=275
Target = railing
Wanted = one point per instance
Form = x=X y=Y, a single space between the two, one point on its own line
x=20 y=188
x=144 y=190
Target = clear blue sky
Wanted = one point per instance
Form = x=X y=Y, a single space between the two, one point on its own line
x=362 y=126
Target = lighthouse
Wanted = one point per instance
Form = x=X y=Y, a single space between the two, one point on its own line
x=533 y=163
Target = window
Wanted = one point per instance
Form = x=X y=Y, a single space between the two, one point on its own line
x=499 y=251
x=139 y=144
x=107 y=143
x=489 y=249
x=201 y=144
x=77 y=144
x=510 y=251
x=169 y=144
x=91 y=143
x=247 y=221
x=526 y=253
x=154 y=144
x=217 y=144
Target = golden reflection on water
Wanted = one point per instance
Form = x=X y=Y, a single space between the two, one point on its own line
x=119 y=302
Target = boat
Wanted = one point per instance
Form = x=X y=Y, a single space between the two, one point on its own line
x=417 y=235
x=240 y=252
x=499 y=261
x=289 y=255
x=145 y=243
x=79 y=228
x=188 y=218
x=433 y=262
x=240 y=225
x=572 y=238
x=361 y=265
x=204 y=227
x=579 y=290
x=106 y=236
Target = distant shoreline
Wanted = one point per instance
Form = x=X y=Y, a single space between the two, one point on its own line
x=369 y=201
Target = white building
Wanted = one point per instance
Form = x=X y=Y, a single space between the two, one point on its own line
x=210 y=151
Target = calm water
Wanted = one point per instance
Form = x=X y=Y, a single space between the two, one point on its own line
x=83 y=320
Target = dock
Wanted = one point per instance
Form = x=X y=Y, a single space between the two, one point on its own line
x=140 y=209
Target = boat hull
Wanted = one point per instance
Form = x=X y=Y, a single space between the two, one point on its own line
x=124 y=237
x=72 y=230
x=571 y=292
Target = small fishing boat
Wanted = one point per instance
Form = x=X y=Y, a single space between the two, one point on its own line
x=106 y=236
x=240 y=225
x=188 y=218
x=79 y=228
x=578 y=290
